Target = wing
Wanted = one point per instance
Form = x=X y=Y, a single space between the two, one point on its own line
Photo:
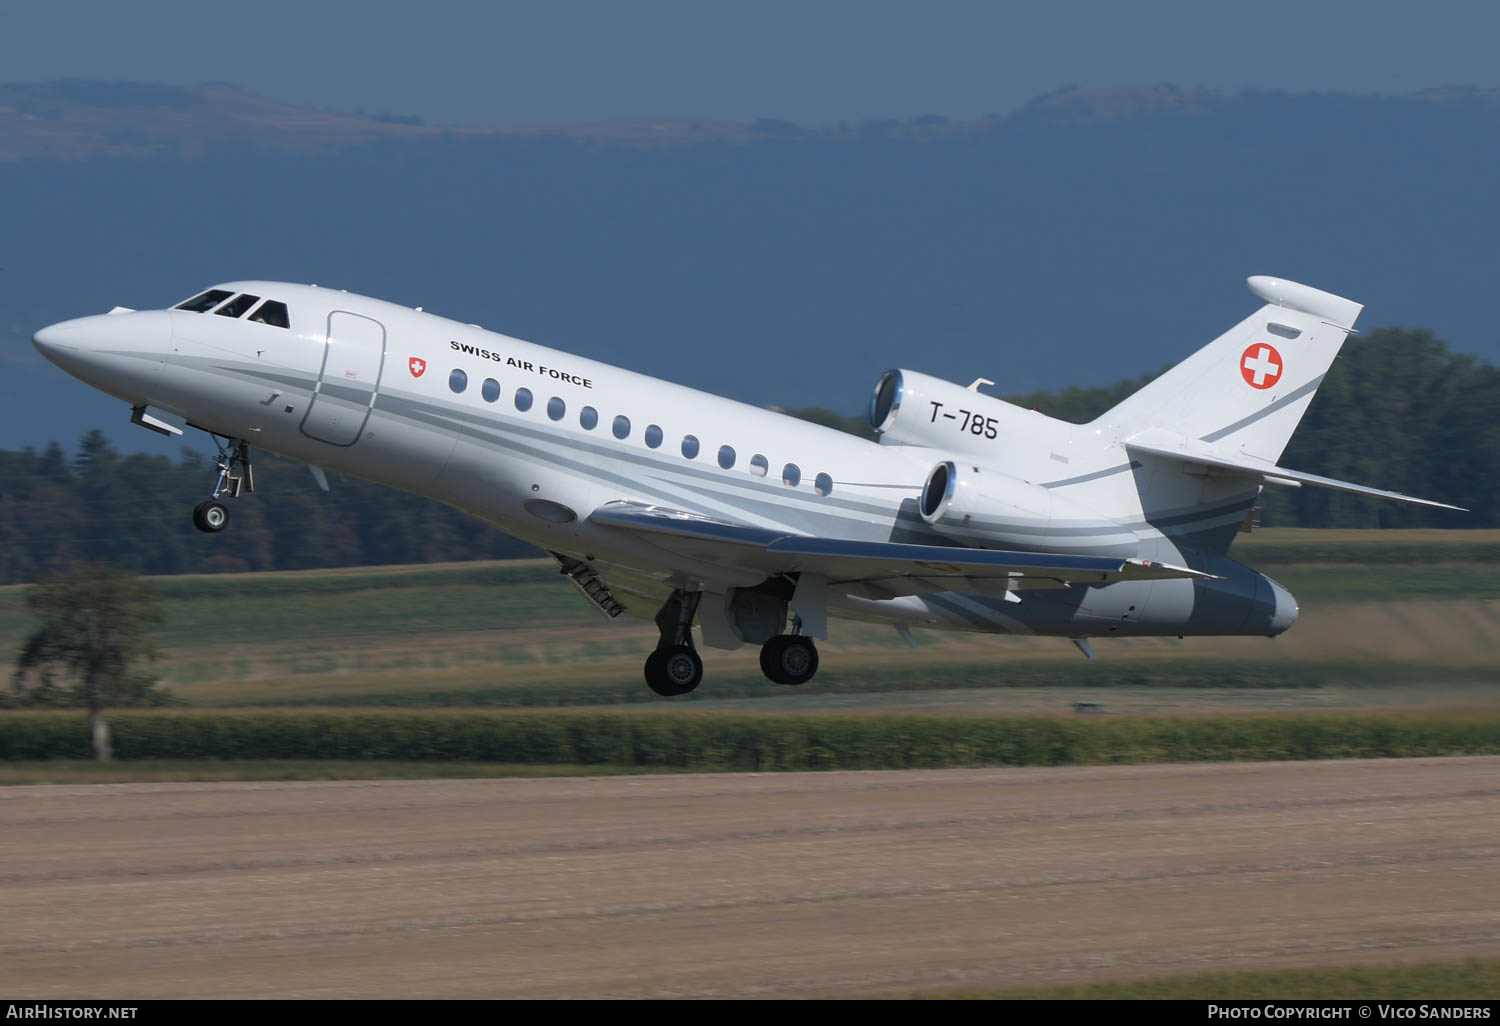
x=879 y=569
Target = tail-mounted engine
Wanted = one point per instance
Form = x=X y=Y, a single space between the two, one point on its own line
x=987 y=509
x=917 y=409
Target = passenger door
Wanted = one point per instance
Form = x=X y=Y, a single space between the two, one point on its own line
x=353 y=359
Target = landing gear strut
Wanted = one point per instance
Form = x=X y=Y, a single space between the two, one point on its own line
x=235 y=475
x=674 y=668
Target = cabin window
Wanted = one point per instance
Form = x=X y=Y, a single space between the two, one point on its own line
x=690 y=447
x=458 y=380
x=791 y=476
x=204 y=301
x=726 y=456
x=490 y=390
x=588 y=417
x=273 y=313
x=622 y=427
x=523 y=399
x=759 y=465
x=653 y=436
x=556 y=408
x=823 y=484
x=238 y=305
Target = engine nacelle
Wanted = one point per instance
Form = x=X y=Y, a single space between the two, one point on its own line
x=909 y=408
x=988 y=509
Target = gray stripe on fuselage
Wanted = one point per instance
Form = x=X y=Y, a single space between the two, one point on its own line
x=473 y=419
x=794 y=518
x=1191 y=515
x=670 y=477
x=304 y=384
x=1096 y=475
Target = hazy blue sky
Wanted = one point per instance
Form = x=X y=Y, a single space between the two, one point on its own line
x=810 y=61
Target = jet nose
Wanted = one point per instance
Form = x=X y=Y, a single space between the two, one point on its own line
x=54 y=338
x=1284 y=613
x=113 y=352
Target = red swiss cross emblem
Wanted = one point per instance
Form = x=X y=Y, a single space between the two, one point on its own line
x=417 y=365
x=1261 y=365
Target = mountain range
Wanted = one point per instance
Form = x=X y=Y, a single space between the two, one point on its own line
x=1088 y=236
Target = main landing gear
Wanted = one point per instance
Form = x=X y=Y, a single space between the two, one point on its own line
x=235 y=475
x=789 y=659
x=676 y=669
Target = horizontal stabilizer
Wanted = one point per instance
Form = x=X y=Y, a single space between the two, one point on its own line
x=847 y=561
x=1186 y=452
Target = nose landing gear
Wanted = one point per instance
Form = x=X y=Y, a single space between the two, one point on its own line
x=235 y=475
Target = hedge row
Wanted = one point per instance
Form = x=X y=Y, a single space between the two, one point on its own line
x=713 y=741
x=875 y=678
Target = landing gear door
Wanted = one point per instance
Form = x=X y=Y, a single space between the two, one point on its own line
x=353 y=358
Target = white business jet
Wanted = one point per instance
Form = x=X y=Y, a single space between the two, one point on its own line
x=969 y=514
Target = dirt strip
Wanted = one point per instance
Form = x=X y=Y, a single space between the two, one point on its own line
x=774 y=885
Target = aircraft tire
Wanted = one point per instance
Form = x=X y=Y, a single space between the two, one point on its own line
x=210 y=517
x=673 y=671
x=789 y=659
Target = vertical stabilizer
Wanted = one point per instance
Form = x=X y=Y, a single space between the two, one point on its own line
x=1246 y=391
x=1236 y=401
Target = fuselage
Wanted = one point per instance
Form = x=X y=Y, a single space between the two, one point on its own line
x=532 y=440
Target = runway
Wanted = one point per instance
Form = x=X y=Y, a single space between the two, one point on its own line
x=764 y=885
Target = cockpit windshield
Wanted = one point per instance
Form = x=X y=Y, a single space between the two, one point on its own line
x=205 y=301
x=238 y=305
x=272 y=312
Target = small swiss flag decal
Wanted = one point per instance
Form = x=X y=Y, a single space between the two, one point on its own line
x=417 y=365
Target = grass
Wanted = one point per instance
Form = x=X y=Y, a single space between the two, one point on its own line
x=520 y=685
x=1472 y=979
x=1293 y=545
x=1343 y=582
x=1380 y=609
x=204 y=610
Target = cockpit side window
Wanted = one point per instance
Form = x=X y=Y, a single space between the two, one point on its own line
x=238 y=305
x=205 y=301
x=273 y=313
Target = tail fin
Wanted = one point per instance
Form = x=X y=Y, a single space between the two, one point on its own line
x=1246 y=391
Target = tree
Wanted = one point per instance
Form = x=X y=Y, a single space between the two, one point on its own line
x=85 y=652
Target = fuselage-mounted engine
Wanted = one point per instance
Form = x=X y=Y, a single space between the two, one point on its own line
x=987 y=509
x=966 y=501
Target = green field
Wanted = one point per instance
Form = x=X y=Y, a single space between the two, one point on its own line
x=1389 y=619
